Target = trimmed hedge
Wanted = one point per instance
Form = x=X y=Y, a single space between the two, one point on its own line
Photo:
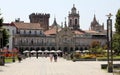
x=86 y=59
x=106 y=59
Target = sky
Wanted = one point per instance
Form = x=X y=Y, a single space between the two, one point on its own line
x=12 y=9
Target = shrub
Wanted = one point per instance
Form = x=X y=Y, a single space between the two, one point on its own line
x=86 y=56
x=76 y=55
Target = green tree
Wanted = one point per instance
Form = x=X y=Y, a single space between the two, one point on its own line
x=5 y=37
x=1 y=21
x=117 y=24
x=96 y=47
x=116 y=36
x=95 y=44
x=4 y=33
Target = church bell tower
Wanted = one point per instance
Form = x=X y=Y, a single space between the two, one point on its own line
x=73 y=18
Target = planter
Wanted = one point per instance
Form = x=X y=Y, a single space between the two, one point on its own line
x=104 y=66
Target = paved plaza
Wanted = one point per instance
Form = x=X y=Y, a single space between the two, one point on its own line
x=43 y=66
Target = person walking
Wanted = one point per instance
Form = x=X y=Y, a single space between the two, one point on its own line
x=55 y=57
x=37 y=55
x=51 y=57
x=19 y=57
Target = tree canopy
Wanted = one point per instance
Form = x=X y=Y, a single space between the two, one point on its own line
x=1 y=21
x=116 y=36
x=5 y=35
x=96 y=47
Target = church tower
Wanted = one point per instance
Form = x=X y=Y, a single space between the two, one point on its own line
x=73 y=18
x=96 y=26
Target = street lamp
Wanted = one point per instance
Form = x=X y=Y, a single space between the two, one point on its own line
x=13 y=53
x=109 y=44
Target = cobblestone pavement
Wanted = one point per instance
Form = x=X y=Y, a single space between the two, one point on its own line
x=43 y=66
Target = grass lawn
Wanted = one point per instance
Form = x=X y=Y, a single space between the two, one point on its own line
x=9 y=60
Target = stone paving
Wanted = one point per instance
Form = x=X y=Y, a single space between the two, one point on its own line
x=43 y=66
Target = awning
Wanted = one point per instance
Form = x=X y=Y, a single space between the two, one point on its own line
x=26 y=51
x=40 y=51
x=58 y=51
x=33 y=51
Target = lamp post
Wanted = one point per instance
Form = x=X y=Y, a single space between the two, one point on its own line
x=109 y=44
x=13 y=53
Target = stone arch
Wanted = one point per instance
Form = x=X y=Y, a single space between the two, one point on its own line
x=33 y=48
x=65 y=49
x=59 y=48
x=85 y=48
x=42 y=48
x=53 y=48
x=37 y=48
x=71 y=49
x=81 y=49
x=76 y=48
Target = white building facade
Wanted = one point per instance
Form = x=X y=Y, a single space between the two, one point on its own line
x=11 y=31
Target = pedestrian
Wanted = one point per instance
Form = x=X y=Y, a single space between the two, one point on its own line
x=71 y=56
x=37 y=55
x=55 y=57
x=46 y=55
x=51 y=57
x=19 y=57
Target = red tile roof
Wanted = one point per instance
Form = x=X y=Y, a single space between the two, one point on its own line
x=51 y=31
x=7 y=24
x=21 y=25
x=91 y=31
x=78 y=32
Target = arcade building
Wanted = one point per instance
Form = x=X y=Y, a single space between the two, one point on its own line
x=67 y=37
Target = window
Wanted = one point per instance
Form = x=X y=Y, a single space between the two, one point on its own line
x=29 y=32
x=18 y=31
x=70 y=22
x=65 y=40
x=8 y=30
x=42 y=41
x=32 y=41
x=35 y=32
x=75 y=21
x=40 y=32
x=13 y=31
x=24 y=32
